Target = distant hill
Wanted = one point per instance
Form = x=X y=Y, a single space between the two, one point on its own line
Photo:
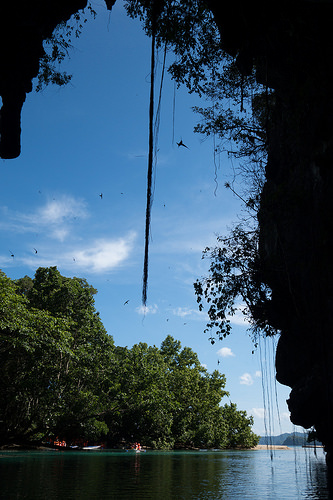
x=286 y=439
x=294 y=440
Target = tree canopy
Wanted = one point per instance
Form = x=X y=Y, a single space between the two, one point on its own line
x=63 y=377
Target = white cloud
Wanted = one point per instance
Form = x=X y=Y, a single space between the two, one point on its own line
x=225 y=352
x=57 y=219
x=60 y=233
x=57 y=210
x=182 y=312
x=185 y=311
x=259 y=412
x=246 y=379
x=99 y=256
x=147 y=309
x=104 y=254
x=52 y=219
x=239 y=318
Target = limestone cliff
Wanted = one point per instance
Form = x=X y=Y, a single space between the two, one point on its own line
x=291 y=48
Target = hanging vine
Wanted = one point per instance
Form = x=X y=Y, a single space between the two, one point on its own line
x=149 y=172
x=156 y=9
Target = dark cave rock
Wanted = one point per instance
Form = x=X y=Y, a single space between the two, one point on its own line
x=23 y=28
x=291 y=47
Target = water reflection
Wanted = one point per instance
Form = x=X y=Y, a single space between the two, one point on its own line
x=168 y=475
x=316 y=478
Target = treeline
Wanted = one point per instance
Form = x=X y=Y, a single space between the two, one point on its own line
x=63 y=378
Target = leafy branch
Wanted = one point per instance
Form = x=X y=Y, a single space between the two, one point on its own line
x=57 y=48
x=233 y=285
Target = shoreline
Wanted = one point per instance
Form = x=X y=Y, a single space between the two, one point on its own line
x=271 y=447
x=44 y=447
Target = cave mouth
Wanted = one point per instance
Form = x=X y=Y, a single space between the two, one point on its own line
x=292 y=53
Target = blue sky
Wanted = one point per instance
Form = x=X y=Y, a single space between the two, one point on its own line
x=91 y=137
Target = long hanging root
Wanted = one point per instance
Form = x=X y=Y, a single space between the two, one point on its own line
x=149 y=173
x=158 y=109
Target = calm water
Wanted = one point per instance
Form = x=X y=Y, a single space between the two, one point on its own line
x=293 y=474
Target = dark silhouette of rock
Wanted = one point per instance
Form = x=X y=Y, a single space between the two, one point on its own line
x=23 y=27
x=290 y=45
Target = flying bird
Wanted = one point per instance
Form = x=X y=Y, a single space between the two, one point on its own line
x=35 y=250
x=180 y=143
x=11 y=254
x=101 y=196
x=126 y=302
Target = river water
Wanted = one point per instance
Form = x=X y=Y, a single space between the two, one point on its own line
x=206 y=475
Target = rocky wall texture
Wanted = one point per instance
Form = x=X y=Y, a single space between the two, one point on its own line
x=293 y=54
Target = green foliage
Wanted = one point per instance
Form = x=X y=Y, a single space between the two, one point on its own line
x=55 y=356
x=30 y=340
x=57 y=47
x=240 y=107
x=239 y=434
x=62 y=377
x=233 y=285
x=188 y=28
x=165 y=398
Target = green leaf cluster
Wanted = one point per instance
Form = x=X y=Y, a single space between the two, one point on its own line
x=63 y=378
x=57 y=48
x=233 y=285
x=55 y=357
x=166 y=398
